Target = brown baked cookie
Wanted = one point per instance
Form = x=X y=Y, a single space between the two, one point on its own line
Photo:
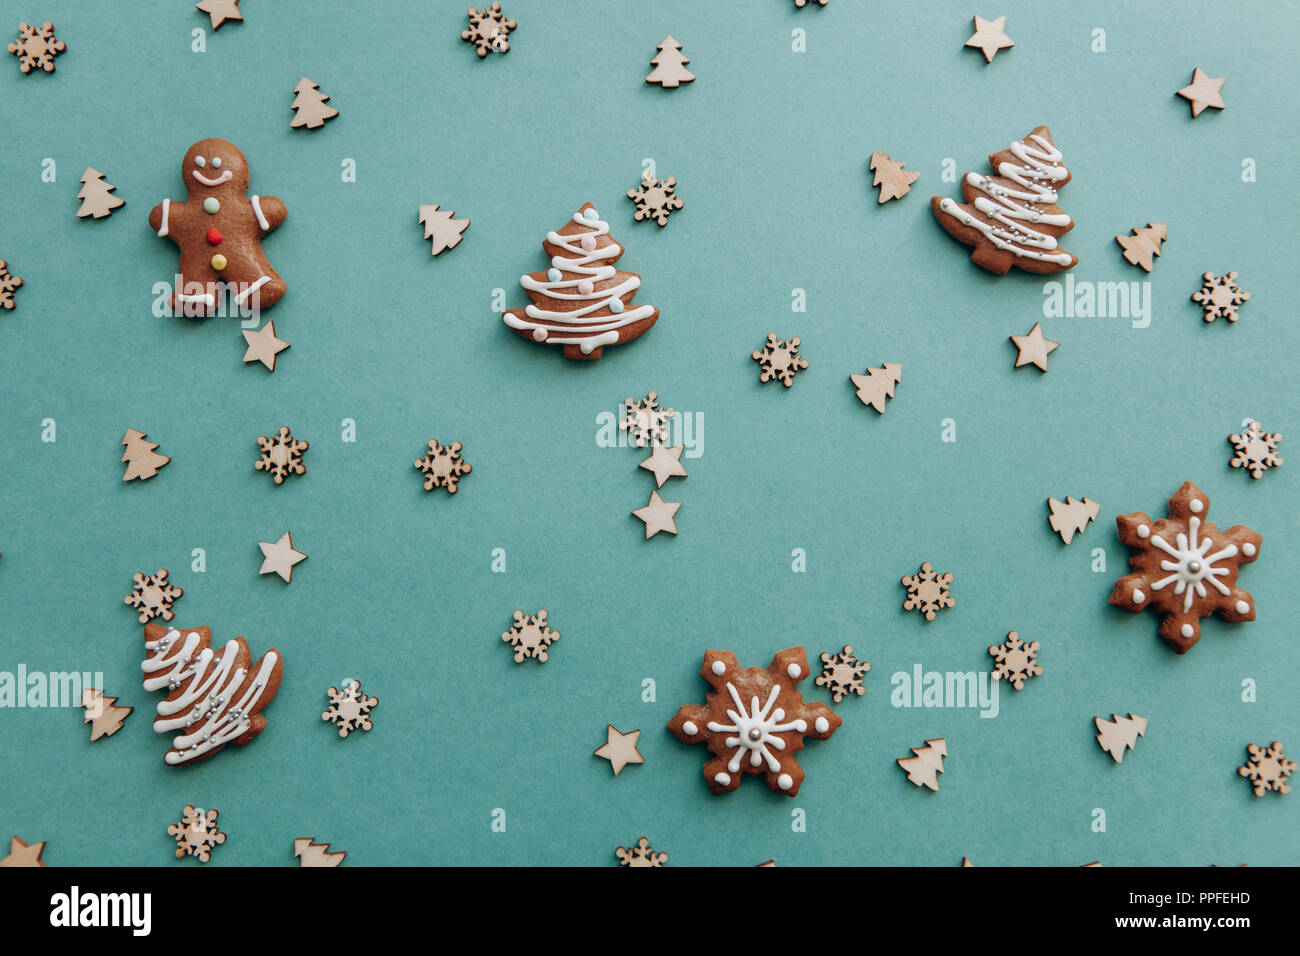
x=582 y=303
x=754 y=721
x=1184 y=568
x=214 y=698
x=1011 y=217
x=219 y=230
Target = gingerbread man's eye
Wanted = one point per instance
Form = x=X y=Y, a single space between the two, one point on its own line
x=216 y=162
x=200 y=162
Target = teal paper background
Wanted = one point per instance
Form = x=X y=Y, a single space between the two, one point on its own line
x=770 y=151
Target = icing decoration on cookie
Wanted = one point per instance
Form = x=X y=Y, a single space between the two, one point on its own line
x=212 y=698
x=1011 y=218
x=582 y=302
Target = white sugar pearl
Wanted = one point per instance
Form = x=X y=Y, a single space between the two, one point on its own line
x=1138 y=596
x=785 y=781
x=794 y=671
x=822 y=725
x=1248 y=549
x=1243 y=607
x=723 y=778
x=719 y=668
x=1188 y=630
x=1196 y=505
x=690 y=728
x=1143 y=531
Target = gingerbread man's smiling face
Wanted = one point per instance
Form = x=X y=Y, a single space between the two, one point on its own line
x=214 y=166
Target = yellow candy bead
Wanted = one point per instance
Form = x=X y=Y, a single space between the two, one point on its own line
x=218 y=262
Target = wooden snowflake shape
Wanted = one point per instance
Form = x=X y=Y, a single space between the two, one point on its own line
x=1176 y=558
x=153 y=595
x=349 y=709
x=196 y=834
x=842 y=673
x=755 y=721
x=1267 y=768
x=530 y=635
x=655 y=199
x=489 y=30
x=36 y=47
x=8 y=283
x=1256 y=449
x=1219 y=296
x=646 y=422
x=640 y=855
x=780 y=358
x=927 y=591
x=443 y=467
x=281 y=455
x=1014 y=660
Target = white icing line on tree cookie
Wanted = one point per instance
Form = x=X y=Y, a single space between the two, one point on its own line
x=207 y=695
x=1192 y=566
x=1041 y=166
x=755 y=730
x=593 y=332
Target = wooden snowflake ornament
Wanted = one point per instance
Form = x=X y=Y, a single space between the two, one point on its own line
x=1219 y=296
x=281 y=455
x=104 y=717
x=646 y=422
x=1185 y=568
x=1256 y=449
x=153 y=596
x=531 y=636
x=655 y=199
x=1143 y=246
x=489 y=30
x=8 y=283
x=1267 y=769
x=36 y=47
x=443 y=466
x=927 y=591
x=349 y=709
x=1071 y=516
x=926 y=763
x=640 y=855
x=1119 y=734
x=196 y=833
x=755 y=721
x=1015 y=661
x=842 y=673
x=779 y=359
x=894 y=181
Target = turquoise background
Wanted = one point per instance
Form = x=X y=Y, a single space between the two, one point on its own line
x=770 y=151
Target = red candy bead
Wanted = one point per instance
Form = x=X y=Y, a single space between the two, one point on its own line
x=213 y=236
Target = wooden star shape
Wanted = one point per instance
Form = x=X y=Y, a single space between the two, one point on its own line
x=989 y=37
x=280 y=557
x=263 y=346
x=1034 y=349
x=658 y=515
x=665 y=462
x=620 y=749
x=1203 y=92
x=220 y=11
x=23 y=854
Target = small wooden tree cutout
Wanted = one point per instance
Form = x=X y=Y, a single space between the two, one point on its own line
x=316 y=854
x=924 y=768
x=309 y=106
x=1119 y=734
x=1071 y=517
x=1143 y=246
x=104 y=717
x=894 y=181
x=441 y=227
x=141 y=460
x=96 y=195
x=877 y=385
x=670 y=66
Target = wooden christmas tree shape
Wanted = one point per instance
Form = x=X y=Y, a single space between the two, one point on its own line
x=142 y=461
x=640 y=855
x=877 y=385
x=989 y=37
x=104 y=717
x=1267 y=769
x=582 y=302
x=36 y=47
x=1256 y=450
x=1011 y=218
x=214 y=698
x=670 y=66
x=309 y=106
x=220 y=11
x=1015 y=661
x=531 y=636
x=924 y=768
x=1119 y=734
x=1219 y=296
x=1203 y=92
x=894 y=181
x=349 y=709
x=779 y=359
x=1071 y=517
x=196 y=833
x=619 y=748
x=927 y=591
x=441 y=227
x=310 y=853
x=8 y=283
x=153 y=596
x=1143 y=246
x=96 y=195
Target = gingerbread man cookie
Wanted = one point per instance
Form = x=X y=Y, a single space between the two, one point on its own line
x=219 y=230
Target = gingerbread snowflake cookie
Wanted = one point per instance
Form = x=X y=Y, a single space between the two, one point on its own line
x=755 y=721
x=1184 y=568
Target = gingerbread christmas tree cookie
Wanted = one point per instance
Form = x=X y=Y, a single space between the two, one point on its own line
x=754 y=721
x=1185 y=568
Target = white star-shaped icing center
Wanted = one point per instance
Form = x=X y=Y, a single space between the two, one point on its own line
x=755 y=730
x=1191 y=564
